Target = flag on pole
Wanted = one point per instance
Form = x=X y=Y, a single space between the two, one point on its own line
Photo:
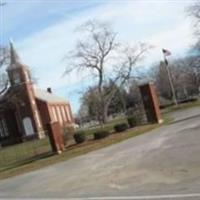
x=166 y=52
x=166 y=62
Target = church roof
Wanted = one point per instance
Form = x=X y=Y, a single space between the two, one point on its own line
x=48 y=97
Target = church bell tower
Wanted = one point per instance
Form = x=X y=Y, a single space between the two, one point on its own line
x=22 y=89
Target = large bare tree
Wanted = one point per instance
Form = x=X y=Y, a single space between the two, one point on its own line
x=4 y=59
x=99 y=52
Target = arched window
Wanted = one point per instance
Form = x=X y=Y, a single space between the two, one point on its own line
x=3 y=128
x=28 y=127
x=64 y=113
x=54 y=114
x=16 y=78
x=59 y=114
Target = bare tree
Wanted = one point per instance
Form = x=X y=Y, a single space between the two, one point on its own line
x=185 y=75
x=194 y=12
x=98 y=52
x=91 y=106
x=4 y=59
x=4 y=56
x=188 y=69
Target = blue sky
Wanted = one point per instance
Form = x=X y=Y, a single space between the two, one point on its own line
x=43 y=32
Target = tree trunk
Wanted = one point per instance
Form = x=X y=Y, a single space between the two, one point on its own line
x=105 y=114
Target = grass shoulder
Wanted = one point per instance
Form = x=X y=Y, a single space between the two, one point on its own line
x=75 y=150
x=181 y=106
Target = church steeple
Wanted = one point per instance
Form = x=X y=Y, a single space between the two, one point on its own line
x=14 y=57
x=17 y=71
x=23 y=90
x=15 y=61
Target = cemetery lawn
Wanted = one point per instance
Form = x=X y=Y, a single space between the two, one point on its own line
x=107 y=127
x=73 y=151
x=181 y=106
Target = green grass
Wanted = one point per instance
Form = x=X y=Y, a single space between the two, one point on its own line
x=167 y=119
x=107 y=127
x=15 y=154
x=181 y=106
x=73 y=151
x=36 y=154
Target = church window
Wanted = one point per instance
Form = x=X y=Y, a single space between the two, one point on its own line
x=63 y=113
x=67 y=112
x=51 y=114
x=54 y=114
x=16 y=77
x=3 y=128
x=59 y=114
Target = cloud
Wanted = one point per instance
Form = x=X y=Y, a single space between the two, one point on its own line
x=21 y=18
x=160 y=23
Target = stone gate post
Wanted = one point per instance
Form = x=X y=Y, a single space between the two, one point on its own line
x=150 y=101
x=55 y=137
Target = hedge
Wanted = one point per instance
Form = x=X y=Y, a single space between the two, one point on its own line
x=132 y=121
x=121 y=127
x=101 y=134
x=79 y=137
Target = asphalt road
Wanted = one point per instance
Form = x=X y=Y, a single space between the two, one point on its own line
x=162 y=164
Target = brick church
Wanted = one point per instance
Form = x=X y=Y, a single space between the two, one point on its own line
x=25 y=110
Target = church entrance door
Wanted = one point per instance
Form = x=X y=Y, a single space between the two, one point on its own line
x=28 y=127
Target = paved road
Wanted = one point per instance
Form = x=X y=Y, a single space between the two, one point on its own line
x=165 y=161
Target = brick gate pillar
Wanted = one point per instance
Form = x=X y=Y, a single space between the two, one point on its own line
x=55 y=137
x=151 y=104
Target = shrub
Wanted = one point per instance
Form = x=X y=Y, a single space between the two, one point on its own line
x=121 y=127
x=68 y=132
x=80 y=137
x=132 y=121
x=101 y=134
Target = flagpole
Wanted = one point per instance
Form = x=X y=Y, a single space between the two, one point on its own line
x=170 y=81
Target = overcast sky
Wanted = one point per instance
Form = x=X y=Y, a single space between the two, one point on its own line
x=43 y=33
